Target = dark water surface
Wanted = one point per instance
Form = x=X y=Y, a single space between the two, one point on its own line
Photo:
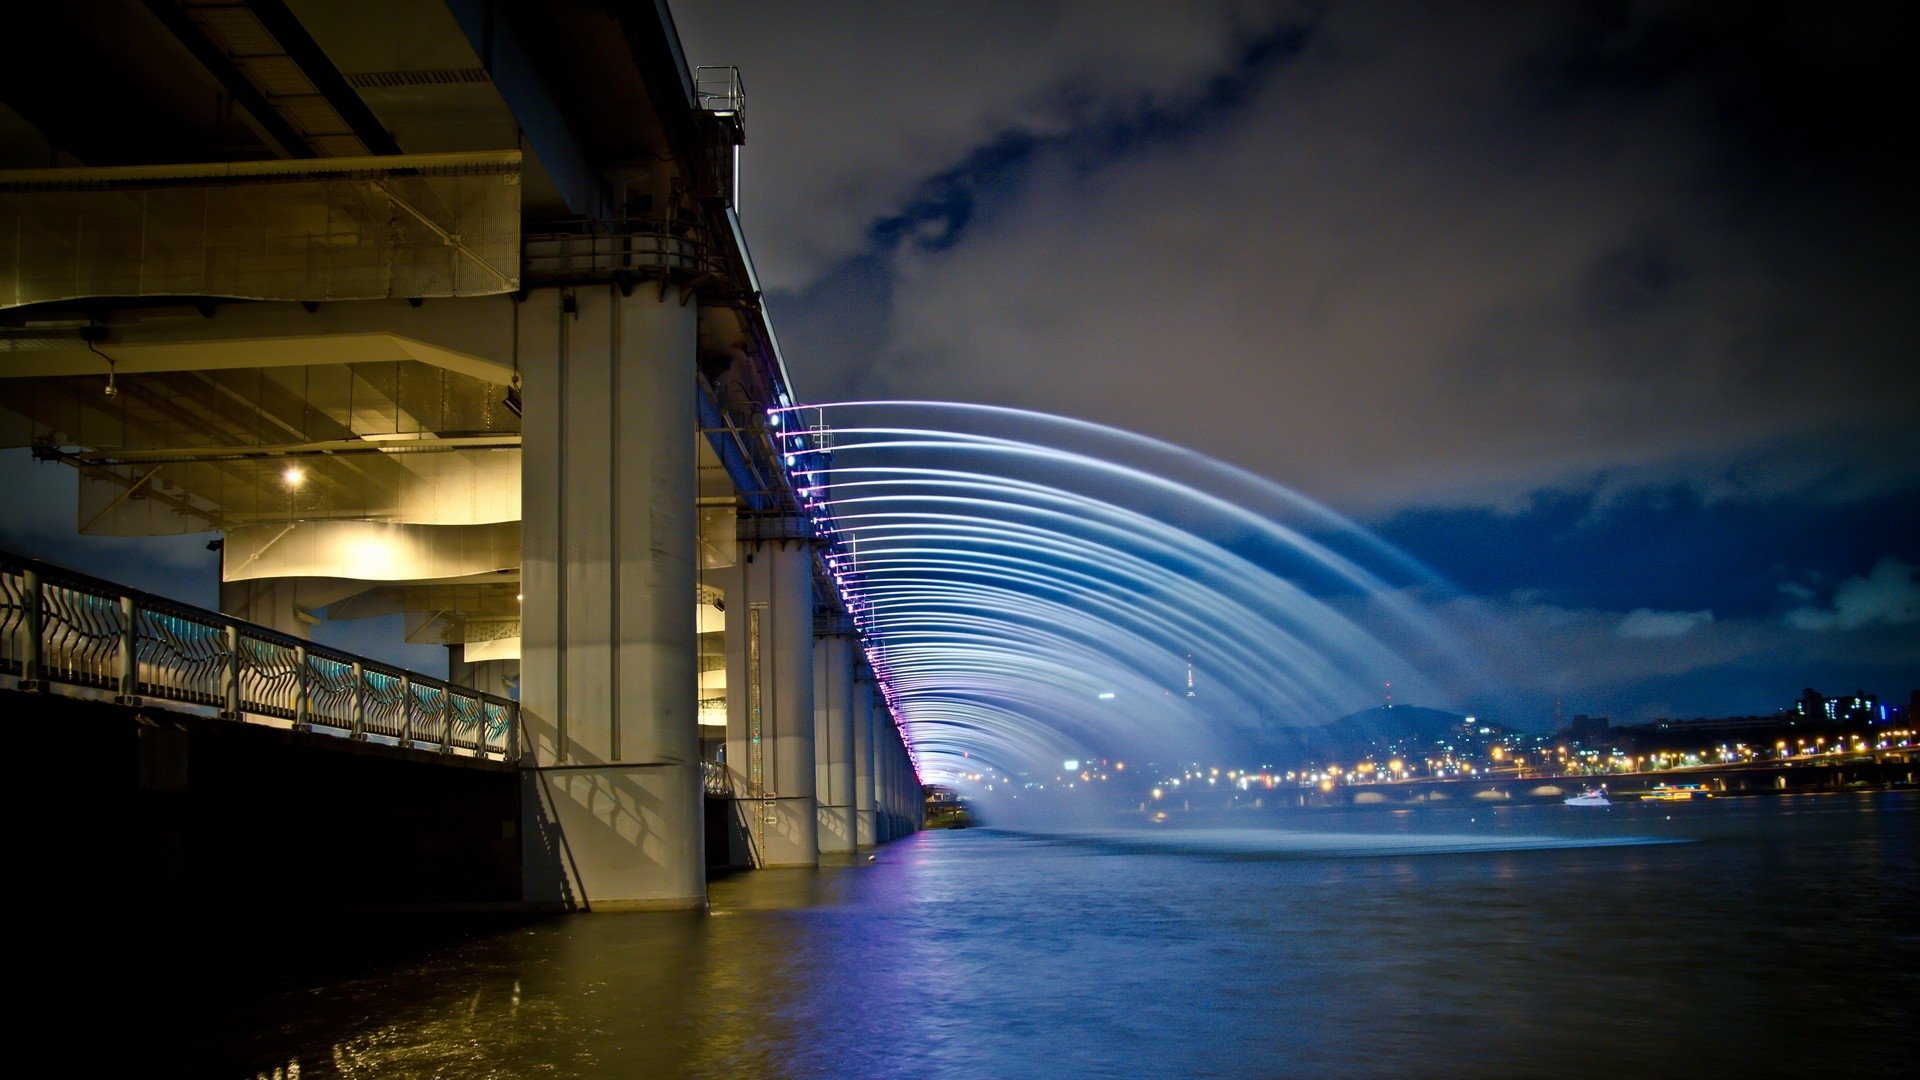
x=1771 y=936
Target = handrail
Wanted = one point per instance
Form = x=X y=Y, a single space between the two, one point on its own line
x=718 y=88
x=675 y=247
x=715 y=780
x=59 y=627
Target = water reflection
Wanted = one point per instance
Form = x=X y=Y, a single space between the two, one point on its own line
x=1781 y=938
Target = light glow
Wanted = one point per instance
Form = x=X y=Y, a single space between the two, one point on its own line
x=1012 y=566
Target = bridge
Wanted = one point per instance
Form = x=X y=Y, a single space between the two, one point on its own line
x=440 y=309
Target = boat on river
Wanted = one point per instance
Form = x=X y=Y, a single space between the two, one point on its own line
x=1593 y=796
x=1677 y=793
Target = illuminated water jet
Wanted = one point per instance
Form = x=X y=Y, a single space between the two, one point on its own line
x=1033 y=589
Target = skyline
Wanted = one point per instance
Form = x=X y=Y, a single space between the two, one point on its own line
x=1599 y=313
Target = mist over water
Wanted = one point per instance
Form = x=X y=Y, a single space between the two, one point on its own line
x=1280 y=843
x=1036 y=589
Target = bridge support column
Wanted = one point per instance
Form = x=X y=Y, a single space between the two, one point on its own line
x=903 y=788
x=613 y=811
x=833 y=690
x=770 y=751
x=272 y=602
x=864 y=696
x=905 y=803
x=883 y=779
x=496 y=677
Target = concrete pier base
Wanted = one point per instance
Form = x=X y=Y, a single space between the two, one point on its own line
x=612 y=837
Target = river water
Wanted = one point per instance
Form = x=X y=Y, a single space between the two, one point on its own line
x=1771 y=936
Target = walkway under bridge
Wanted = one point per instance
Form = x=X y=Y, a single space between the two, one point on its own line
x=225 y=758
x=441 y=312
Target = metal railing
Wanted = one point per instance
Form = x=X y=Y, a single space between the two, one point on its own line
x=718 y=88
x=675 y=247
x=715 y=780
x=59 y=628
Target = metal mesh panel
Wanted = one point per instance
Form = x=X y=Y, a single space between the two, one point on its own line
x=384 y=702
x=14 y=600
x=188 y=655
x=468 y=715
x=269 y=676
x=448 y=229
x=330 y=685
x=499 y=721
x=81 y=636
x=428 y=715
x=182 y=657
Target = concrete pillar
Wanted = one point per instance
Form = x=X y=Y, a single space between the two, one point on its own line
x=770 y=753
x=913 y=800
x=833 y=693
x=613 y=814
x=917 y=817
x=901 y=780
x=883 y=783
x=501 y=678
x=284 y=604
x=272 y=602
x=884 y=779
x=865 y=694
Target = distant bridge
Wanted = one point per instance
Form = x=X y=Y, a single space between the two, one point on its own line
x=1870 y=770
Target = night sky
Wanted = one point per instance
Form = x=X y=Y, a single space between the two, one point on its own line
x=1605 y=312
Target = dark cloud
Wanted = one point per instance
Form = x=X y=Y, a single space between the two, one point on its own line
x=859 y=111
x=1466 y=265
x=1424 y=253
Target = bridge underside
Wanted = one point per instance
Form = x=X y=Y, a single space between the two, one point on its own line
x=442 y=311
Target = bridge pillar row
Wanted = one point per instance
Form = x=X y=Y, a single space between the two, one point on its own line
x=908 y=792
x=833 y=690
x=881 y=728
x=909 y=801
x=613 y=814
x=865 y=694
x=770 y=668
x=887 y=769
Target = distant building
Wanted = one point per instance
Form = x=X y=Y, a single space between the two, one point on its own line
x=1587 y=730
x=1860 y=707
